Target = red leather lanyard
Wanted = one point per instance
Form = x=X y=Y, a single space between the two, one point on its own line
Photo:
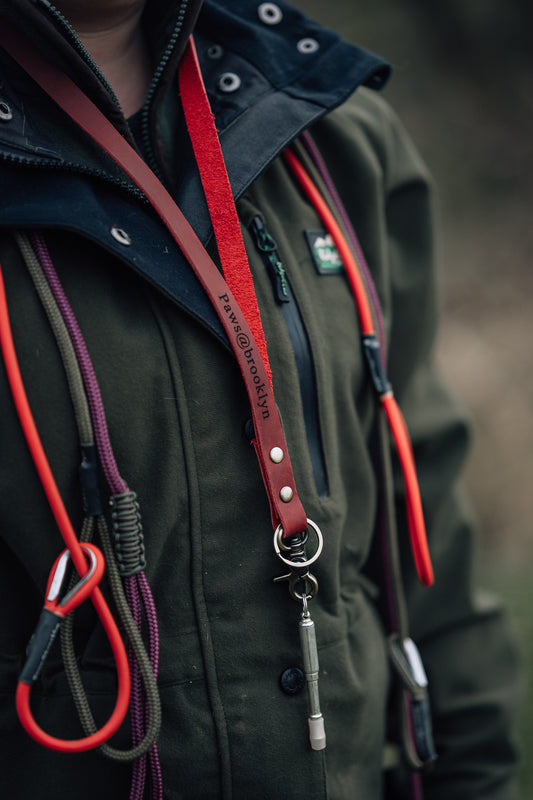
x=269 y=442
x=218 y=193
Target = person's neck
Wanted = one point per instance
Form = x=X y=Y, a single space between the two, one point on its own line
x=119 y=50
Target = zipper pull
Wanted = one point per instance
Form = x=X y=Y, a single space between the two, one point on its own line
x=269 y=253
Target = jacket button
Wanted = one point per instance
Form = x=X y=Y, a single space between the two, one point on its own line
x=292 y=681
x=269 y=13
x=249 y=431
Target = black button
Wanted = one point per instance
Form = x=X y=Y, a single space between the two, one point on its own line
x=292 y=680
x=249 y=430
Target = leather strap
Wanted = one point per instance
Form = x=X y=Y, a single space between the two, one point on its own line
x=267 y=425
x=215 y=181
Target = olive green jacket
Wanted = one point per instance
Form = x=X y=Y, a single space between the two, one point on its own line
x=177 y=414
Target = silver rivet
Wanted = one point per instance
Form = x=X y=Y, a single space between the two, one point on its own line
x=5 y=112
x=307 y=46
x=229 y=82
x=286 y=494
x=120 y=235
x=276 y=455
x=270 y=13
x=215 y=51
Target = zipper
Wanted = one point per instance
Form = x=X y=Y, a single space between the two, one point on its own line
x=145 y=111
x=284 y=296
x=269 y=253
x=74 y=167
x=72 y=37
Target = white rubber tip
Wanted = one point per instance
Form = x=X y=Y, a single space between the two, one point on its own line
x=317 y=733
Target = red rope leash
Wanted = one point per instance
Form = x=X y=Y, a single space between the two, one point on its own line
x=415 y=515
x=78 y=558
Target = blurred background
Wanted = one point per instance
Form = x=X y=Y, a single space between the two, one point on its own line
x=462 y=84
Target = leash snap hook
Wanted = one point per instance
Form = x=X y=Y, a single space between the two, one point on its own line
x=305 y=581
x=303 y=585
x=420 y=752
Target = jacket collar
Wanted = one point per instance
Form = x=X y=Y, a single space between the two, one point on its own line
x=285 y=75
x=279 y=87
x=280 y=79
x=168 y=26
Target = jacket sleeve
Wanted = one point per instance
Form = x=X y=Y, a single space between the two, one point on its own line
x=462 y=633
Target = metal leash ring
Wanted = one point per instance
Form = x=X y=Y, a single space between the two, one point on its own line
x=279 y=545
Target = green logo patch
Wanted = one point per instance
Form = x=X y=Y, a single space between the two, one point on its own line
x=325 y=255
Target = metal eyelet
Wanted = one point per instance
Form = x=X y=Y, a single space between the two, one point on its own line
x=229 y=82
x=307 y=46
x=120 y=236
x=5 y=112
x=270 y=13
x=215 y=51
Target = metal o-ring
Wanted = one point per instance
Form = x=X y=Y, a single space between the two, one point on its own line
x=279 y=546
x=303 y=538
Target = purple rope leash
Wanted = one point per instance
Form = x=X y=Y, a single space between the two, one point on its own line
x=151 y=619
x=138 y=777
x=116 y=484
x=137 y=585
x=316 y=157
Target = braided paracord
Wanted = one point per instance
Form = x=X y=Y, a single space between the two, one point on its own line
x=127 y=533
x=134 y=585
x=93 y=508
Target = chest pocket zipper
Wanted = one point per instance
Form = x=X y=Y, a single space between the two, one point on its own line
x=284 y=296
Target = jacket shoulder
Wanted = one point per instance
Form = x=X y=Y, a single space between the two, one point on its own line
x=366 y=124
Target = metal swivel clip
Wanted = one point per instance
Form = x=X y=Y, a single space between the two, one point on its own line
x=303 y=586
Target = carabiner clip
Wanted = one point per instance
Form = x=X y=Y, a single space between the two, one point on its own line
x=56 y=608
x=408 y=663
x=83 y=588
